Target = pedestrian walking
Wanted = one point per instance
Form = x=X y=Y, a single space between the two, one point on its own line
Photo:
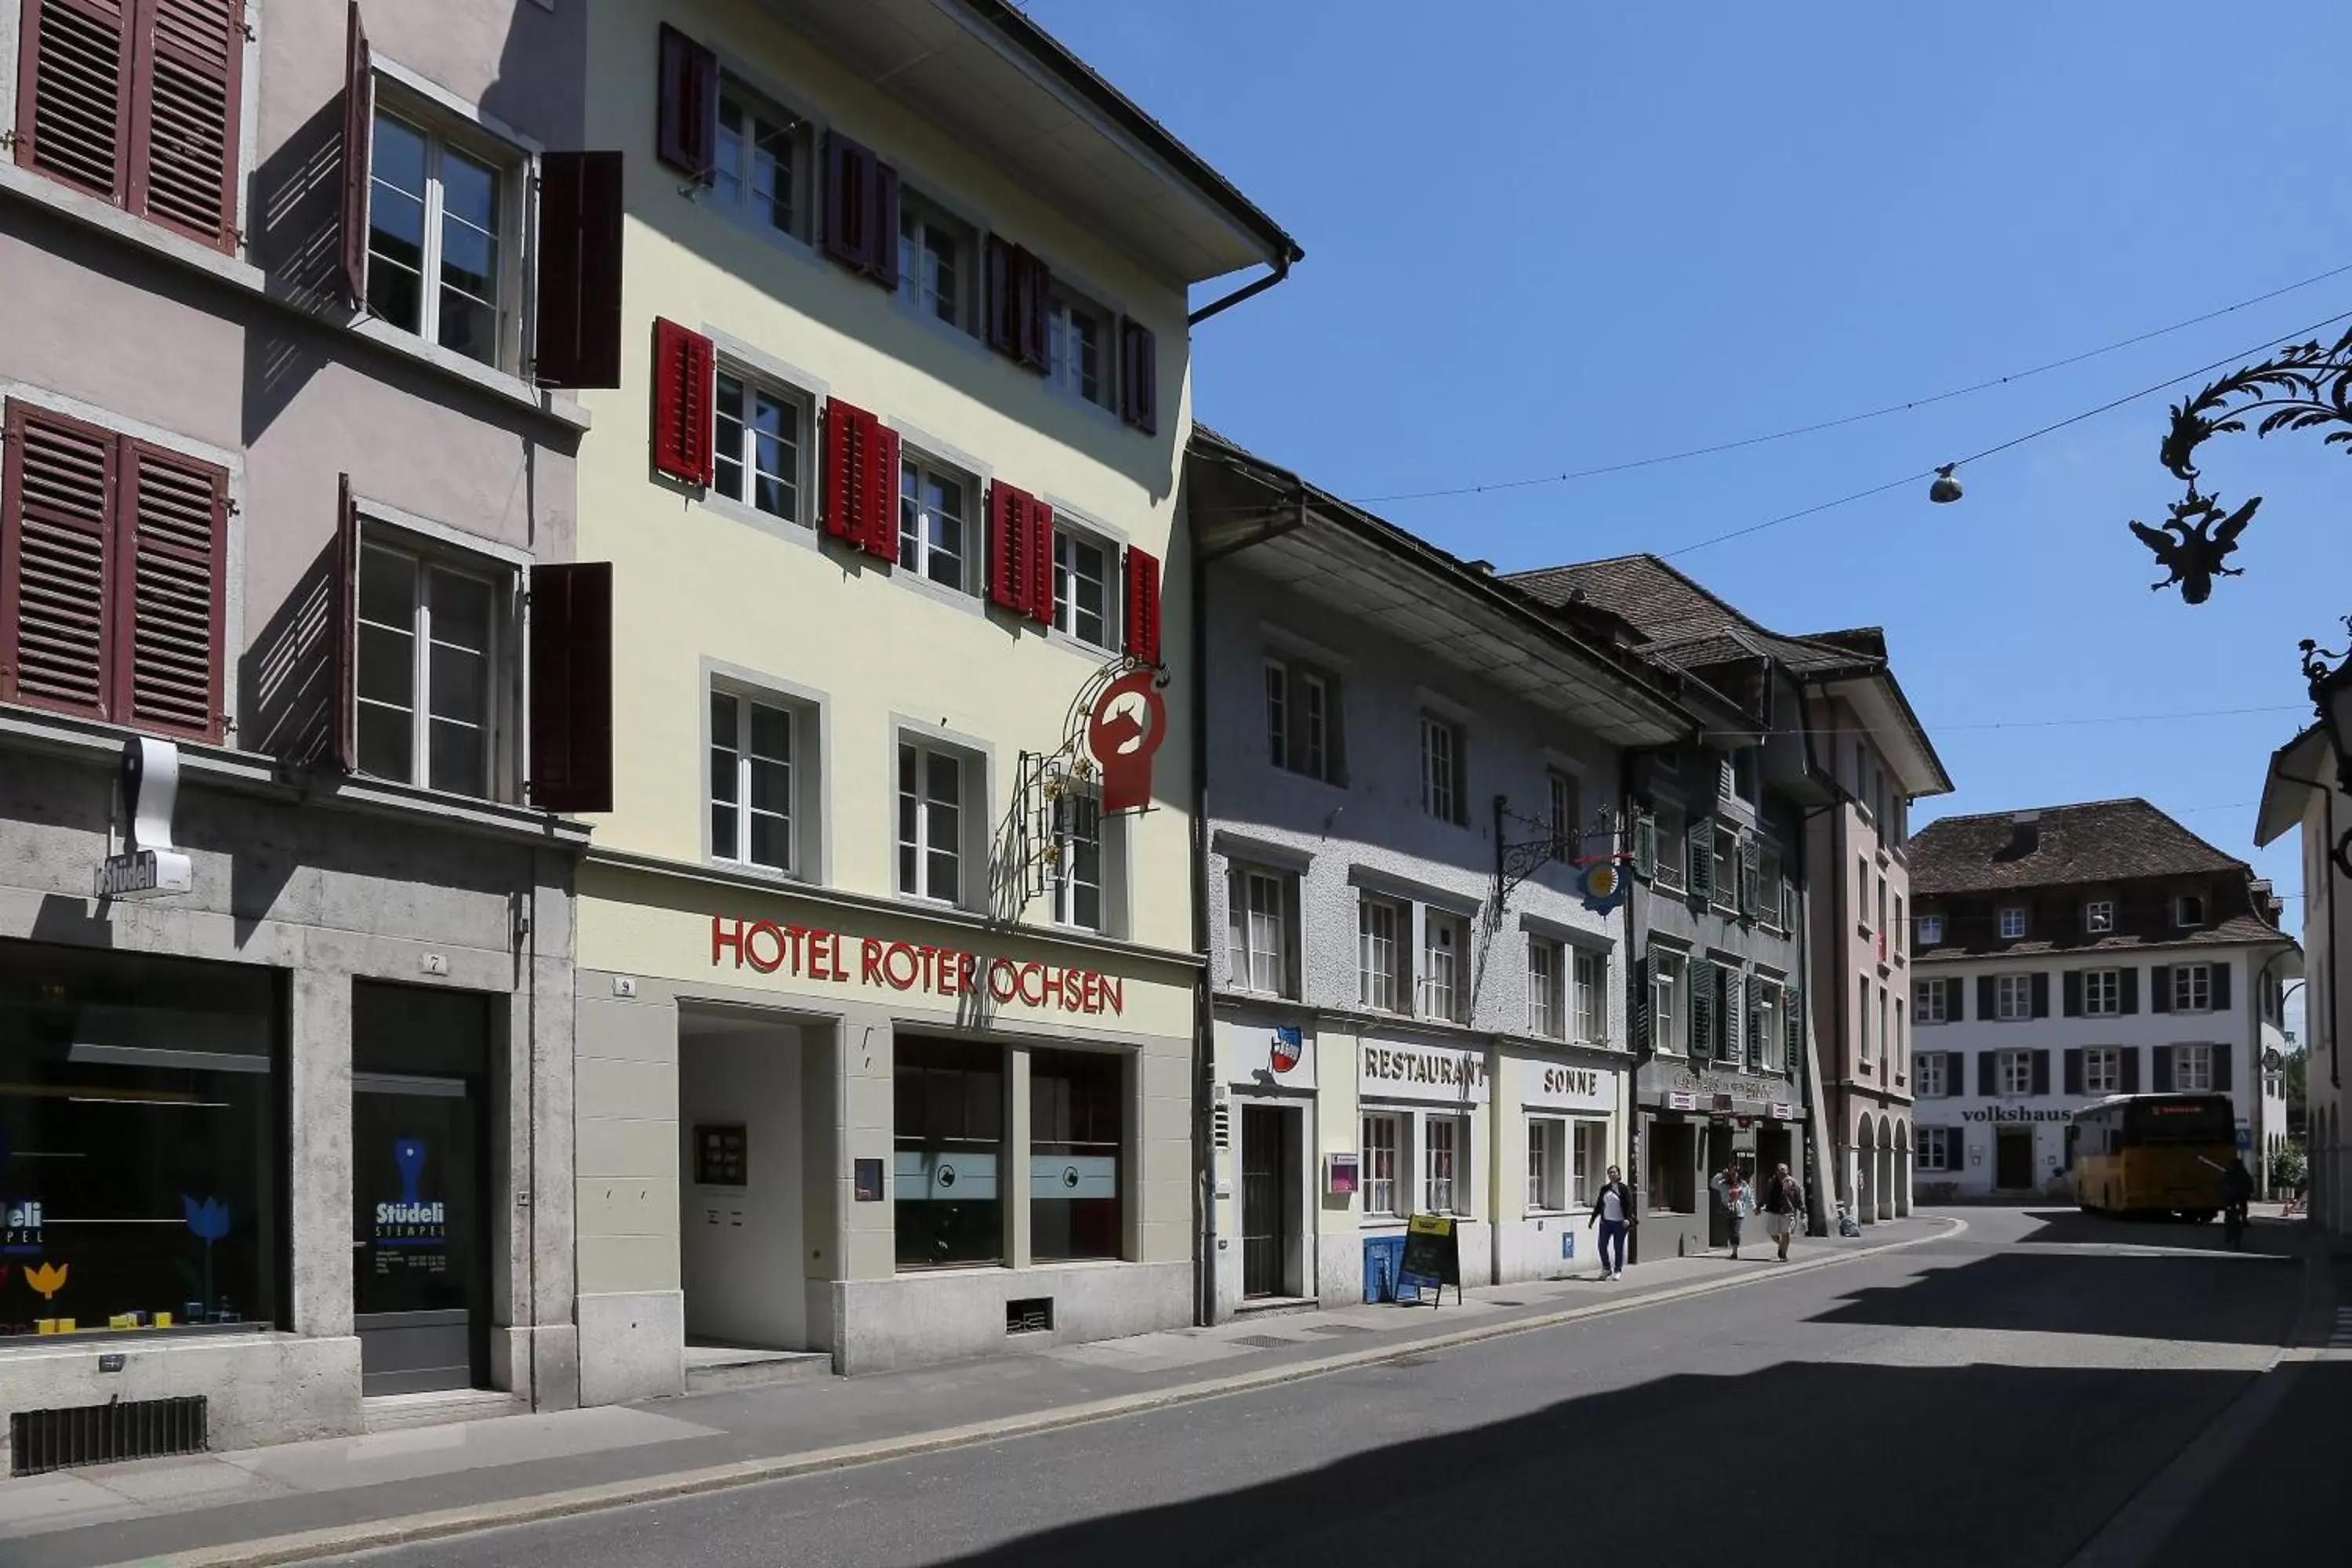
x=1731 y=1185
x=1613 y=1209
x=1784 y=1209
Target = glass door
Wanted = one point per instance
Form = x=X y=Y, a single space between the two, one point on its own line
x=419 y=1266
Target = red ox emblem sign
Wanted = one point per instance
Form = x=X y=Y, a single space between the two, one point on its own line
x=1129 y=723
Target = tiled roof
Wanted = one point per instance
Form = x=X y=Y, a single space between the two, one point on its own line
x=1686 y=624
x=2099 y=841
x=2240 y=928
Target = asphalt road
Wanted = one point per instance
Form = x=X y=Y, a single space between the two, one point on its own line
x=1994 y=1398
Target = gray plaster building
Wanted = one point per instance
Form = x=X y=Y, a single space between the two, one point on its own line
x=285 y=1116
x=1410 y=771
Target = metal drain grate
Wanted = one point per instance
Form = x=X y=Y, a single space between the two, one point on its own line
x=1498 y=1303
x=1030 y=1315
x=1339 y=1329
x=40 y=1441
x=1266 y=1342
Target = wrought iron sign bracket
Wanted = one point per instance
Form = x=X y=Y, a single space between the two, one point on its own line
x=1515 y=862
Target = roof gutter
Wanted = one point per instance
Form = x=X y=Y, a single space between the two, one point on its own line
x=1257 y=286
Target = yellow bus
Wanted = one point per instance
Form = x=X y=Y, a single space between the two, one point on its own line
x=2153 y=1154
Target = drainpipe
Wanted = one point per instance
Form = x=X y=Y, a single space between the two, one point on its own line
x=1204 y=1056
x=1637 y=1151
x=1255 y=287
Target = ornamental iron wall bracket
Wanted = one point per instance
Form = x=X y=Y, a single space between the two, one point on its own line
x=1057 y=798
x=1558 y=845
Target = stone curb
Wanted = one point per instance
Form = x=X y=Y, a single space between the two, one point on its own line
x=377 y=1534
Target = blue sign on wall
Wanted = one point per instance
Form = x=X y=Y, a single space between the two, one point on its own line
x=1568 y=1244
x=2245 y=1138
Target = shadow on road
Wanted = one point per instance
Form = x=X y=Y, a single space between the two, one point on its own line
x=1923 y=1465
x=2072 y=1228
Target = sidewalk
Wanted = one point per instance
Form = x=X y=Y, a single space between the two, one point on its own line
x=306 y=1500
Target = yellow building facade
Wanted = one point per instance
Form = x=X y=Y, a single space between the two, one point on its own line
x=887 y=963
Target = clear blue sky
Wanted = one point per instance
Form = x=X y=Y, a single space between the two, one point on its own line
x=1545 y=236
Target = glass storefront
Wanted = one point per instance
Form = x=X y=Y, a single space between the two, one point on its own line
x=142 y=1141
x=1076 y=1100
x=949 y=1123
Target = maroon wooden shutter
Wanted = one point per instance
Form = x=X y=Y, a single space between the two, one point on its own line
x=1142 y=605
x=171 y=543
x=579 y=329
x=1018 y=286
x=861 y=210
x=880 y=500
x=570 y=746
x=1000 y=310
x=851 y=435
x=882 y=223
x=1036 y=310
x=1041 y=561
x=359 y=139
x=74 y=93
x=684 y=364
x=185 y=117
x=1139 y=377
x=344 y=742
x=686 y=134
x=56 y=506
x=1008 y=546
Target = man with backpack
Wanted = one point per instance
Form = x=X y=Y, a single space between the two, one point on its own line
x=1784 y=1209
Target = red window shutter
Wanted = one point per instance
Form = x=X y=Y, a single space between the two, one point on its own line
x=343 y=743
x=848 y=434
x=1008 y=546
x=571 y=744
x=185 y=117
x=687 y=131
x=848 y=200
x=1139 y=377
x=57 y=510
x=880 y=501
x=1041 y=561
x=684 y=363
x=359 y=139
x=73 y=102
x=172 y=544
x=1018 y=288
x=579 y=329
x=1142 y=605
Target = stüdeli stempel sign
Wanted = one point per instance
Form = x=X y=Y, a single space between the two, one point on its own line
x=148 y=868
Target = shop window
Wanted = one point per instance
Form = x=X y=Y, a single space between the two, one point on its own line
x=1383 y=1159
x=1588 y=1162
x=141 y=1140
x=949 y=1142
x=1445 y=1176
x=1671 y=1185
x=1077 y=1101
x=1546 y=1164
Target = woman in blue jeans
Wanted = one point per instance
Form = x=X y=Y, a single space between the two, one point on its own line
x=1613 y=1209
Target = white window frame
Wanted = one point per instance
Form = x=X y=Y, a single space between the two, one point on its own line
x=1442 y=773
x=1547 y=992
x=1246 y=922
x=1068 y=540
x=1301 y=704
x=918 y=290
x=1767 y=999
x=2192 y=987
x=1931 y=929
x=1445 y=1146
x=2199 y=1081
x=2012 y=998
x=1669 y=989
x=2012 y=921
x=2103 y=992
x=1564 y=798
x=1078 y=805
x=513 y=166
x=2099 y=916
x=1673 y=845
x=753 y=385
x=2013 y=1073
x=1546 y=1164
x=1724 y=852
x=1388 y=1163
x=968 y=772
x=1383 y=925
x=1937 y=1147
x=1861 y=1018
x=502 y=707
x=1768 y=886
x=915 y=544
x=1588 y=1162
x=1062 y=368
x=739 y=202
x=1445 y=966
x=1588 y=1015
x=2102 y=1069
x=744 y=699
x=1927 y=1002
x=1931 y=1075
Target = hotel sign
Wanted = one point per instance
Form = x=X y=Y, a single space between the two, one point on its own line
x=840 y=958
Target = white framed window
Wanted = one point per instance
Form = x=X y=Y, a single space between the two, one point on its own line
x=1083 y=586
x=444 y=249
x=2192 y=988
x=2102 y=1070
x=1674 y=847
x=2103 y=991
x=1768 y=895
x=1441 y=769
x=2188 y=909
x=935 y=274
x=1862 y=1018
x=935 y=534
x=1380 y=927
x=1939 y=1148
x=1261 y=929
x=2012 y=997
x=1588 y=1162
x=2193 y=1069
x=1927 y=1002
x=761 y=166
x=1886 y=1042
x=1862 y=888
x=1725 y=894
x=759 y=445
x=933 y=782
x=1445 y=1185
x=1301 y=720
x=2012 y=921
x=1902 y=928
x=1668 y=1023
x=2099 y=916
x=1546 y=1164
x=1445 y=967
x=433 y=695
x=1931 y=1078
x=1588 y=994
x=1075 y=881
x=1078 y=339
x=1566 y=819
x=1901 y=1038
x=1931 y=929
x=753 y=748
x=2015 y=1072
x=1546 y=1011
x=1767 y=1020
x=1384 y=1162
x=1882 y=905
